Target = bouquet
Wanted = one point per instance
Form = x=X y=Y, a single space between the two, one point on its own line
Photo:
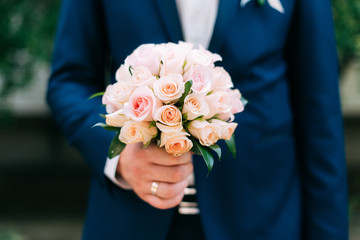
x=174 y=96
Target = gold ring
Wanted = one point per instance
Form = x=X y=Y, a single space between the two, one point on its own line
x=154 y=188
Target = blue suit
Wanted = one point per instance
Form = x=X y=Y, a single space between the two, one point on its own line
x=289 y=179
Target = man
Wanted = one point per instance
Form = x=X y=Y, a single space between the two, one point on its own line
x=288 y=181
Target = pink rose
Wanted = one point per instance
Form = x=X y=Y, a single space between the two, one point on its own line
x=225 y=130
x=176 y=143
x=145 y=55
x=235 y=98
x=219 y=102
x=195 y=106
x=201 y=56
x=236 y=105
x=173 y=57
x=133 y=132
x=222 y=79
x=123 y=74
x=116 y=95
x=142 y=104
x=169 y=118
x=204 y=131
x=142 y=75
x=169 y=88
x=202 y=78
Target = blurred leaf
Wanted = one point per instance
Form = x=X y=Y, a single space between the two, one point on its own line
x=231 y=145
x=116 y=146
x=204 y=152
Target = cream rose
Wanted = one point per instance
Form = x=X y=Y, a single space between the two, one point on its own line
x=176 y=143
x=204 y=131
x=169 y=119
x=169 y=88
x=195 y=106
x=116 y=119
x=202 y=78
x=133 y=132
x=142 y=104
x=225 y=129
x=116 y=95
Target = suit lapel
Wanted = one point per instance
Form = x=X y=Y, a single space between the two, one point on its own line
x=170 y=19
x=226 y=12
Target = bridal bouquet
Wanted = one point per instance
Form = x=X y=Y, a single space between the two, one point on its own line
x=174 y=96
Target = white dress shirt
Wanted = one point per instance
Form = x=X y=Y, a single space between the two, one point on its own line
x=197 y=19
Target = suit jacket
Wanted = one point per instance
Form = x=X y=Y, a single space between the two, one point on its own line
x=289 y=178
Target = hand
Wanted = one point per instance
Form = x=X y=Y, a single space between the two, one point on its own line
x=141 y=167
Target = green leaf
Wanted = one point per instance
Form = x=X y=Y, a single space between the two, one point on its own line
x=260 y=2
x=216 y=148
x=107 y=127
x=188 y=86
x=231 y=145
x=184 y=117
x=185 y=62
x=152 y=124
x=116 y=146
x=205 y=152
x=102 y=115
x=96 y=95
x=130 y=71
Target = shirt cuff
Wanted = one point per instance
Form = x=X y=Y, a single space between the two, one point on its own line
x=110 y=172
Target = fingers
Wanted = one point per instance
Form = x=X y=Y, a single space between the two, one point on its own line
x=164 y=203
x=141 y=167
x=159 y=156
x=169 y=174
x=171 y=190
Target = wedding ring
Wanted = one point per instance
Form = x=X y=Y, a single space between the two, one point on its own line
x=154 y=188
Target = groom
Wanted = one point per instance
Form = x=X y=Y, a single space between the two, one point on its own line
x=289 y=178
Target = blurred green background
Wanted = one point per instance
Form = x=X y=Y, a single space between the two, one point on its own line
x=43 y=182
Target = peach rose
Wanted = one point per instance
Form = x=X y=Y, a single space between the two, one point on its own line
x=176 y=143
x=195 y=106
x=116 y=119
x=145 y=55
x=142 y=104
x=202 y=78
x=225 y=129
x=169 y=88
x=169 y=119
x=116 y=95
x=133 y=132
x=204 y=131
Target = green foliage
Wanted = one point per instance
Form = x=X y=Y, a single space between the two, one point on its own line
x=347 y=26
x=27 y=31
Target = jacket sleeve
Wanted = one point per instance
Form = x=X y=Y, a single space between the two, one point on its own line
x=79 y=60
x=313 y=76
